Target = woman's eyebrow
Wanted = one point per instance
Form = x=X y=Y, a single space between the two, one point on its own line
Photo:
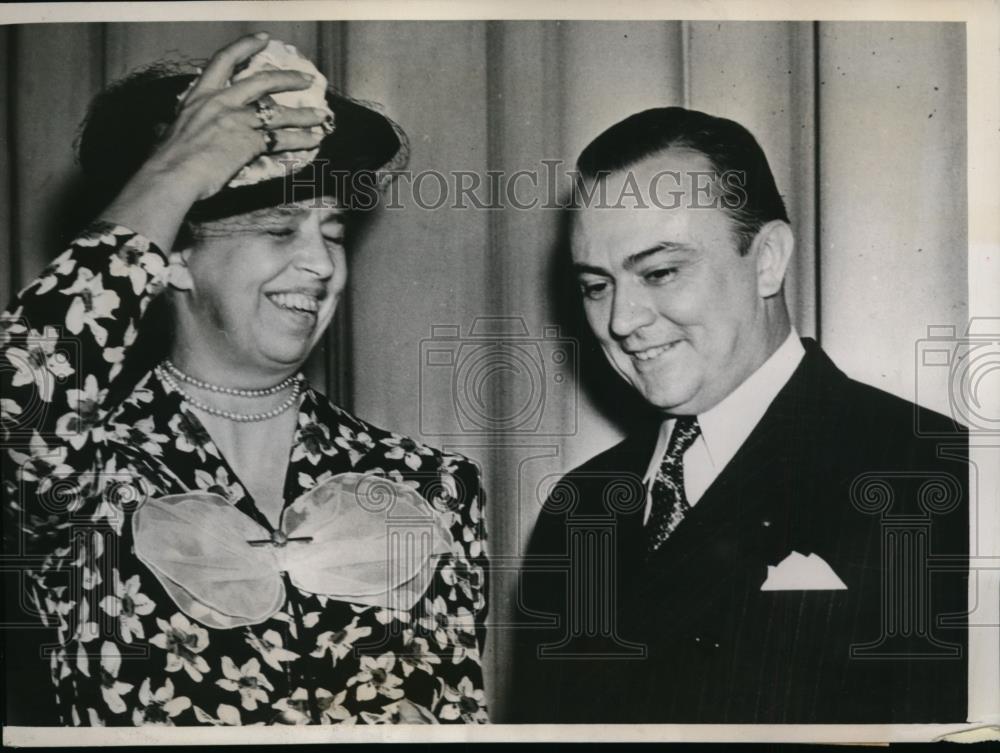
x=291 y=210
x=583 y=269
x=333 y=214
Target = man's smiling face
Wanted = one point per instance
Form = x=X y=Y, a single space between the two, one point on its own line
x=674 y=305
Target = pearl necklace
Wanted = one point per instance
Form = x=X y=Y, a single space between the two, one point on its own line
x=176 y=372
x=297 y=380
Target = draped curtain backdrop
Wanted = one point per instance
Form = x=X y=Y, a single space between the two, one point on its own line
x=864 y=125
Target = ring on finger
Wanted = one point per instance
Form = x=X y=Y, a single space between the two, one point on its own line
x=271 y=139
x=265 y=113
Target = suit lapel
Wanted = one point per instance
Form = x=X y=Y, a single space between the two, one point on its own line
x=630 y=460
x=748 y=517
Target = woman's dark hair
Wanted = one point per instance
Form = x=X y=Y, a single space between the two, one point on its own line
x=730 y=148
x=122 y=125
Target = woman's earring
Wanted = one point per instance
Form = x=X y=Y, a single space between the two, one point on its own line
x=178 y=274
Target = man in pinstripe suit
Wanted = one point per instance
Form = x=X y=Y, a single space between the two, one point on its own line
x=774 y=559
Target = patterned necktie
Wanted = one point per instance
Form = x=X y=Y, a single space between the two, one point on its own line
x=669 y=503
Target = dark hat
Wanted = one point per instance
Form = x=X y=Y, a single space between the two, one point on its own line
x=126 y=120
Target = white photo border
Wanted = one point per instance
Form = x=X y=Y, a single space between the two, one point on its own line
x=982 y=23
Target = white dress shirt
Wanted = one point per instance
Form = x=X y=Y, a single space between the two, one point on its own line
x=726 y=426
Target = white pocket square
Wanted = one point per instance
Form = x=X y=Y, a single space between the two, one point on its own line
x=799 y=573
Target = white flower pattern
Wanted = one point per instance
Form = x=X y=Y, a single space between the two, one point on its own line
x=340 y=642
x=377 y=678
x=183 y=642
x=246 y=680
x=160 y=707
x=271 y=649
x=40 y=362
x=226 y=716
x=111 y=688
x=128 y=605
x=90 y=302
x=464 y=702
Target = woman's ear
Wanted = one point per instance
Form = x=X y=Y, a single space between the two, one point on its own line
x=775 y=244
x=178 y=272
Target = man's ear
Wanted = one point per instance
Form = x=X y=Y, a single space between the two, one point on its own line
x=178 y=272
x=774 y=245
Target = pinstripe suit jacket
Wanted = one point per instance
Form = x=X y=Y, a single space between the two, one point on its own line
x=836 y=468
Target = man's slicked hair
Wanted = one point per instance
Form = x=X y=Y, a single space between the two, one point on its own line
x=731 y=149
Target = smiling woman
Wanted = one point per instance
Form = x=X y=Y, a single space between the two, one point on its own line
x=240 y=550
x=260 y=289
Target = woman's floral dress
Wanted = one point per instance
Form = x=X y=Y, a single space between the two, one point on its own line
x=119 y=649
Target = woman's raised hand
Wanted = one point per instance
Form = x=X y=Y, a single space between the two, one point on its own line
x=218 y=130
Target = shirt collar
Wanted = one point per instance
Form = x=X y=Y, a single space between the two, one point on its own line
x=726 y=426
